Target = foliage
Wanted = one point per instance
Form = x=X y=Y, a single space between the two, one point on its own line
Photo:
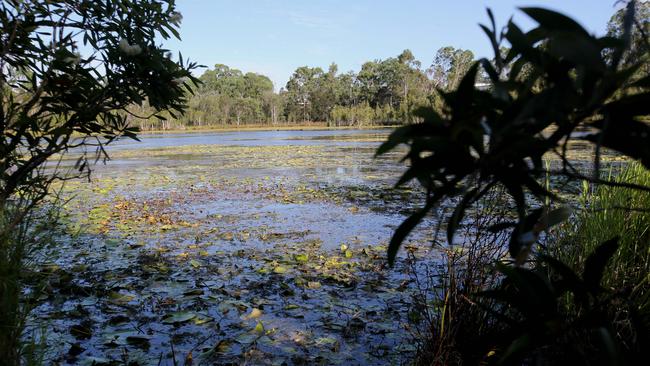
x=449 y=66
x=610 y=212
x=353 y=116
x=638 y=49
x=241 y=96
x=55 y=99
x=383 y=91
x=487 y=140
x=541 y=330
x=457 y=327
x=34 y=231
x=498 y=137
x=69 y=72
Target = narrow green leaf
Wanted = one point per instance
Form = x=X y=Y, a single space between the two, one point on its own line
x=405 y=229
x=459 y=213
x=554 y=21
x=596 y=263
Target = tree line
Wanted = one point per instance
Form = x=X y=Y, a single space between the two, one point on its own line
x=383 y=92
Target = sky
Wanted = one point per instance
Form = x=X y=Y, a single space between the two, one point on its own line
x=274 y=37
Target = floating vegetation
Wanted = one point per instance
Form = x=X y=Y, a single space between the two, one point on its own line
x=230 y=254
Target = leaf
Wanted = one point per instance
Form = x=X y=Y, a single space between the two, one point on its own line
x=459 y=213
x=139 y=341
x=179 y=317
x=195 y=263
x=579 y=49
x=534 y=297
x=491 y=34
x=314 y=285
x=553 y=218
x=516 y=350
x=414 y=171
x=501 y=226
x=515 y=246
x=254 y=314
x=465 y=91
x=259 y=328
x=81 y=331
x=96 y=361
x=120 y=298
x=522 y=45
x=404 y=134
x=596 y=263
x=428 y=114
x=202 y=319
x=492 y=73
x=405 y=229
x=280 y=269
x=301 y=257
x=398 y=136
x=331 y=343
x=570 y=280
x=554 y=21
x=627 y=136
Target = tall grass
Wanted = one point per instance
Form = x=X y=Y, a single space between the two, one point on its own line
x=456 y=327
x=23 y=230
x=462 y=328
x=609 y=212
x=12 y=251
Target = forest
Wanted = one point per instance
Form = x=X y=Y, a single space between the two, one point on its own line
x=383 y=92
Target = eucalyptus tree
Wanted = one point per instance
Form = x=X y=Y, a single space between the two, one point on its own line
x=301 y=89
x=639 y=47
x=448 y=67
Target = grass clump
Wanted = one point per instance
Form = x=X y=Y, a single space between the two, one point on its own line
x=607 y=212
x=614 y=211
x=21 y=233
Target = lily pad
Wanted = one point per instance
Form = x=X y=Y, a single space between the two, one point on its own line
x=139 y=341
x=280 y=269
x=180 y=317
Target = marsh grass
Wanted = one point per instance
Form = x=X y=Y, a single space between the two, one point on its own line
x=609 y=212
x=454 y=325
x=21 y=233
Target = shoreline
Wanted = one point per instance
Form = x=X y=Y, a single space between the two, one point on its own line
x=264 y=128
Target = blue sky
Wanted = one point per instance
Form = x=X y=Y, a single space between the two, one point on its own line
x=274 y=37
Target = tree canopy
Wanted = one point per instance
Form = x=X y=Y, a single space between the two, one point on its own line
x=383 y=91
